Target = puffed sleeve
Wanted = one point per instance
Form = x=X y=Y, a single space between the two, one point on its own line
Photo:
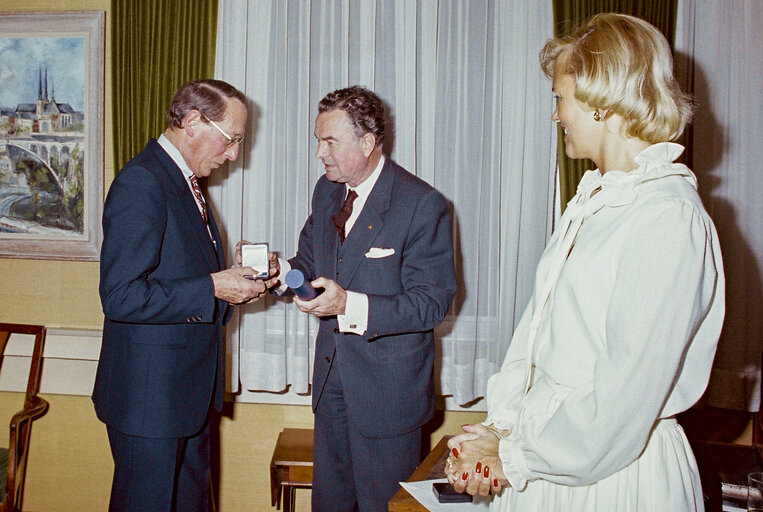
x=505 y=388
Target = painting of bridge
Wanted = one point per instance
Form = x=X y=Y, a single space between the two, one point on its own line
x=51 y=154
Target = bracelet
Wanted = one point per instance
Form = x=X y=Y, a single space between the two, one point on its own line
x=497 y=432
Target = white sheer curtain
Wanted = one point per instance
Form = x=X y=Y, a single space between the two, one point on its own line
x=720 y=48
x=470 y=113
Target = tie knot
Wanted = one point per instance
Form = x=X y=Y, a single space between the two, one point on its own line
x=351 y=195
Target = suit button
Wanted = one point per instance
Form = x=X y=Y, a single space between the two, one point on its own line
x=340 y=260
x=336 y=330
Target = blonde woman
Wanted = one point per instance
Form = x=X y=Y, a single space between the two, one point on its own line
x=628 y=304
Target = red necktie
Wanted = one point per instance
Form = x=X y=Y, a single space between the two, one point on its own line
x=199 y=197
x=340 y=218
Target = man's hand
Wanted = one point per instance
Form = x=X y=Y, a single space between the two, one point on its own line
x=331 y=302
x=231 y=286
x=275 y=266
x=238 y=250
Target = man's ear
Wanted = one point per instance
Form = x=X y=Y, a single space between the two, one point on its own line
x=190 y=120
x=369 y=143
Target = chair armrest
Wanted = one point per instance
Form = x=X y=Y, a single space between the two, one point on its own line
x=33 y=407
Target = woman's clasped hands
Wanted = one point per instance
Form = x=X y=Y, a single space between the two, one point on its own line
x=474 y=465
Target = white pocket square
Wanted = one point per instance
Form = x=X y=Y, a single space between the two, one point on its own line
x=379 y=252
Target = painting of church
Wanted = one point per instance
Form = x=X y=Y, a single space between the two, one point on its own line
x=42 y=158
x=45 y=115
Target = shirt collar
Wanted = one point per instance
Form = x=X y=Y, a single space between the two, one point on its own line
x=174 y=153
x=364 y=189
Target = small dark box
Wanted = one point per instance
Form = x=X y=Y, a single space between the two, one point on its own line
x=447 y=494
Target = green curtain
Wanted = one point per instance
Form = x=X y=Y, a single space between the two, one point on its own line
x=157 y=45
x=568 y=14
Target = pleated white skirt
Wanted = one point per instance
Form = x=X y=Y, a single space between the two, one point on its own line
x=663 y=479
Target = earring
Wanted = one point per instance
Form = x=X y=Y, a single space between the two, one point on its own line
x=596 y=116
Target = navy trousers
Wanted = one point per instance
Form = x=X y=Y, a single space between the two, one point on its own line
x=160 y=475
x=351 y=472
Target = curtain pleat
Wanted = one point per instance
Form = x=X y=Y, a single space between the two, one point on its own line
x=470 y=113
x=568 y=14
x=721 y=50
x=157 y=45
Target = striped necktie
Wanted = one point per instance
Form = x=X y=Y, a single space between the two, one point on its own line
x=199 y=198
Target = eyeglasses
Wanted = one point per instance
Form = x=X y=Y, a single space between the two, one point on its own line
x=232 y=141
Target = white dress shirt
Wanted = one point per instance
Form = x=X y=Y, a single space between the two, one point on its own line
x=174 y=153
x=355 y=317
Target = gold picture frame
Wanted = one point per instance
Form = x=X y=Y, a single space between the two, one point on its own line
x=51 y=134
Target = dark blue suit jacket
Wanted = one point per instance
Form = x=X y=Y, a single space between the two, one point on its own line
x=387 y=375
x=160 y=367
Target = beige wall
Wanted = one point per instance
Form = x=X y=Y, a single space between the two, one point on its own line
x=57 y=293
x=70 y=464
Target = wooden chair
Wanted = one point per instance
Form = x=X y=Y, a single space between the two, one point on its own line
x=15 y=457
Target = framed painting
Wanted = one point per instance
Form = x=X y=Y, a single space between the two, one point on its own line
x=51 y=134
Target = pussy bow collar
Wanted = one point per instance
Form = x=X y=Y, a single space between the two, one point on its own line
x=619 y=188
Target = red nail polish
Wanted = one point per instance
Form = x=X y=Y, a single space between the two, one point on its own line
x=486 y=473
x=464 y=476
x=455 y=452
x=495 y=482
x=478 y=469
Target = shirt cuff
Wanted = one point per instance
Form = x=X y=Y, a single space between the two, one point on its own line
x=285 y=267
x=504 y=420
x=355 y=318
x=514 y=464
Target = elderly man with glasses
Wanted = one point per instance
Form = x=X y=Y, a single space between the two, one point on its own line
x=166 y=293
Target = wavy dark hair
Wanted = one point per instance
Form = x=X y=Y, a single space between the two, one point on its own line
x=365 y=109
x=206 y=95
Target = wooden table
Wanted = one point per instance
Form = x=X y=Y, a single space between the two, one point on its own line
x=714 y=458
x=432 y=467
x=291 y=465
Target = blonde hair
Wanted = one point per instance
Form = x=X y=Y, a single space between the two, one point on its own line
x=623 y=64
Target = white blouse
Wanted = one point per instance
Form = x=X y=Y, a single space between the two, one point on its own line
x=622 y=331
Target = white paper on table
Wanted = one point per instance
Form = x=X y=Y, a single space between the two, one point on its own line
x=423 y=493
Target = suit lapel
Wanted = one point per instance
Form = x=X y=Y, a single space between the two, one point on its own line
x=368 y=224
x=194 y=224
x=328 y=236
x=218 y=244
